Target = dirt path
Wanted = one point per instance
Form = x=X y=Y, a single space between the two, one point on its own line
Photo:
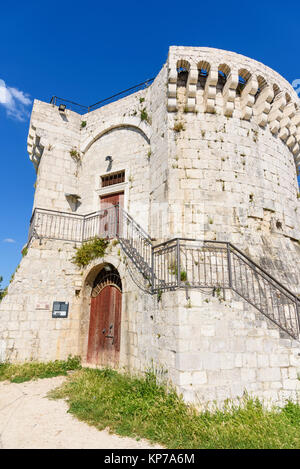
x=29 y=420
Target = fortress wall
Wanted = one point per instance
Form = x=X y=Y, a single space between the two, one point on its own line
x=237 y=190
x=28 y=331
x=226 y=348
x=159 y=172
x=51 y=137
x=116 y=131
x=232 y=179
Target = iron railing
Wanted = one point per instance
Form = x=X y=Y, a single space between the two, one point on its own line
x=179 y=262
x=80 y=108
x=218 y=265
x=66 y=226
x=135 y=242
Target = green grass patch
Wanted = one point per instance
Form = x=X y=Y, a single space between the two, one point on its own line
x=140 y=407
x=19 y=373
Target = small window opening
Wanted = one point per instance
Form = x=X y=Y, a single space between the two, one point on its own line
x=111 y=179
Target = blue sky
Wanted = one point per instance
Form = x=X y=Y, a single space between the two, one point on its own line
x=86 y=51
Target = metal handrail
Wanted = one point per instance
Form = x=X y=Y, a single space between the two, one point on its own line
x=178 y=262
x=262 y=270
x=55 y=100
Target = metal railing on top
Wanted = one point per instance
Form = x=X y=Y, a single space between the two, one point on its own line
x=80 y=108
x=179 y=262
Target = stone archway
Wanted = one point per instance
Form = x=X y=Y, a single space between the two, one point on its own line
x=105 y=318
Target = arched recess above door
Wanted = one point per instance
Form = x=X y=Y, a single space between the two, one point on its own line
x=133 y=124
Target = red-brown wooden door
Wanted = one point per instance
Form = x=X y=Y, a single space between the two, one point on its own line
x=104 y=330
x=110 y=225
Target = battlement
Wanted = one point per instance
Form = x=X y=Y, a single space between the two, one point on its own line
x=212 y=81
x=222 y=82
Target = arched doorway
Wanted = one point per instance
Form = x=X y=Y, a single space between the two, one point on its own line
x=105 y=318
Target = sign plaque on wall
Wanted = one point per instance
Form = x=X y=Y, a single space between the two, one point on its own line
x=60 y=309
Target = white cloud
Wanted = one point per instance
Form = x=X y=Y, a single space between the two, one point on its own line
x=9 y=240
x=14 y=101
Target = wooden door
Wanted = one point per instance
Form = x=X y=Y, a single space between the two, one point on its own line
x=104 y=330
x=109 y=223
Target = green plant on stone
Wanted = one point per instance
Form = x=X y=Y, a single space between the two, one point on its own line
x=178 y=126
x=13 y=275
x=83 y=124
x=144 y=115
x=3 y=291
x=183 y=276
x=89 y=251
x=75 y=154
x=24 y=251
x=159 y=295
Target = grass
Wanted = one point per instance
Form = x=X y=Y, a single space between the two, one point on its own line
x=32 y=370
x=140 y=407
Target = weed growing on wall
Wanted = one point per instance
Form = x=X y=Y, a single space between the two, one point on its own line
x=89 y=251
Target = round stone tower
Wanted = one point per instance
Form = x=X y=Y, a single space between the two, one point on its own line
x=193 y=181
x=234 y=134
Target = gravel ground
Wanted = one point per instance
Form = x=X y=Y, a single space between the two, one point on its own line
x=29 y=420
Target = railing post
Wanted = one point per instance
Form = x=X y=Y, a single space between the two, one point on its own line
x=152 y=269
x=229 y=266
x=32 y=226
x=178 y=262
x=82 y=229
x=117 y=221
x=297 y=303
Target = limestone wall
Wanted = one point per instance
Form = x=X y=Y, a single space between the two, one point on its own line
x=28 y=331
x=51 y=137
x=129 y=148
x=214 y=350
x=232 y=175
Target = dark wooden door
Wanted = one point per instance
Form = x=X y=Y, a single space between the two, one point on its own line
x=110 y=223
x=104 y=330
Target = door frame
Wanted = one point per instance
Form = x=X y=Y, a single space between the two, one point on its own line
x=103 y=280
x=111 y=190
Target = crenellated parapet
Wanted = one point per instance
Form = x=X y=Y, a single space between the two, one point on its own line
x=248 y=89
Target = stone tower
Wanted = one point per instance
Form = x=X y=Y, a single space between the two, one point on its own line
x=193 y=179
